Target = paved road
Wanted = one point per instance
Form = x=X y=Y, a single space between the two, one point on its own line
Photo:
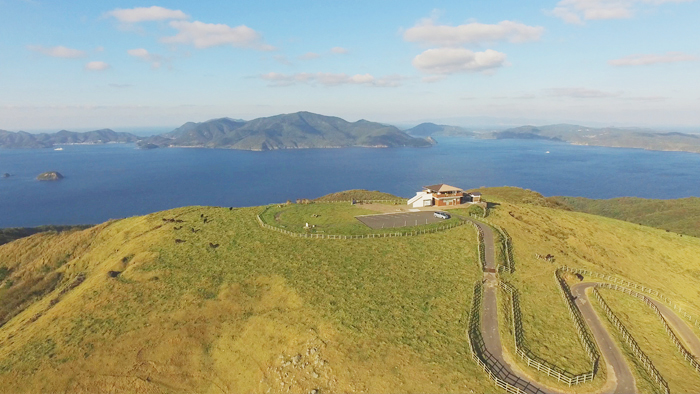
x=618 y=371
x=680 y=327
x=616 y=366
x=489 y=323
x=403 y=219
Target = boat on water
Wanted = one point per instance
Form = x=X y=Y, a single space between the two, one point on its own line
x=58 y=149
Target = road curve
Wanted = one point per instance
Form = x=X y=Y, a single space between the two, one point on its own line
x=616 y=366
x=618 y=371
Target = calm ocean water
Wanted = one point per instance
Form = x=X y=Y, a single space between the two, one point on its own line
x=114 y=181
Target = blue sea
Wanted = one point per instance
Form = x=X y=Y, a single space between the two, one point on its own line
x=116 y=180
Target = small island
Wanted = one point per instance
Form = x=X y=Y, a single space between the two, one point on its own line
x=6 y=175
x=50 y=176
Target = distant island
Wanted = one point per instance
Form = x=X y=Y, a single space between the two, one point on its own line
x=50 y=176
x=607 y=136
x=22 y=139
x=289 y=131
x=6 y=175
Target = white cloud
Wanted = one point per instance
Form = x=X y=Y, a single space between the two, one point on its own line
x=331 y=79
x=581 y=93
x=576 y=11
x=309 y=56
x=57 y=51
x=96 y=66
x=205 y=35
x=427 y=32
x=444 y=61
x=143 y=54
x=146 y=14
x=643 y=59
x=339 y=50
x=433 y=78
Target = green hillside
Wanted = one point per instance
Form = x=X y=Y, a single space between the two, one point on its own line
x=173 y=302
x=22 y=139
x=680 y=215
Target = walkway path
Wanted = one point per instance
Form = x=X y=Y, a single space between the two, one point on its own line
x=617 y=369
x=616 y=366
x=686 y=334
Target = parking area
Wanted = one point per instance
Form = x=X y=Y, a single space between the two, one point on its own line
x=399 y=219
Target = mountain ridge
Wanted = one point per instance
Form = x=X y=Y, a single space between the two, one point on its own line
x=297 y=130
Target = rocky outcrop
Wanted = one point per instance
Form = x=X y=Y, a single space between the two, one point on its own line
x=50 y=176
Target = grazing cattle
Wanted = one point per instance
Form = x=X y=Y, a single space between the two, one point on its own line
x=230 y=208
x=194 y=231
x=177 y=228
x=201 y=216
x=179 y=221
x=205 y=220
x=579 y=276
x=179 y=241
x=213 y=245
x=113 y=274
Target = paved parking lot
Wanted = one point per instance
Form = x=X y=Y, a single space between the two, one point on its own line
x=399 y=219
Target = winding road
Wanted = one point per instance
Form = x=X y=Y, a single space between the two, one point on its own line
x=619 y=376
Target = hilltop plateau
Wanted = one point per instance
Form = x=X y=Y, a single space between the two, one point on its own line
x=201 y=299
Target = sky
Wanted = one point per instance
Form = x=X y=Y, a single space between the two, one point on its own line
x=125 y=65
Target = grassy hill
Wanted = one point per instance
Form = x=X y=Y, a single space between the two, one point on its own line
x=287 y=131
x=680 y=215
x=260 y=311
x=169 y=302
x=13 y=233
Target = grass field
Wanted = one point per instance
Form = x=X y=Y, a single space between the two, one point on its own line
x=680 y=215
x=261 y=311
x=332 y=218
x=648 y=331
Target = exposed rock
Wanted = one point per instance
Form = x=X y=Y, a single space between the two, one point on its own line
x=50 y=176
x=6 y=175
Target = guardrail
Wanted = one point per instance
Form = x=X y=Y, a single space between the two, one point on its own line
x=674 y=338
x=582 y=329
x=480 y=245
x=359 y=236
x=509 y=262
x=643 y=358
x=655 y=293
x=529 y=357
x=477 y=346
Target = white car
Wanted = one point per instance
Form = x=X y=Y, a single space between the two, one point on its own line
x=442 y=215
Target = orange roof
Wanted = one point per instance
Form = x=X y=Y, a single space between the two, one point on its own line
x=442 y=188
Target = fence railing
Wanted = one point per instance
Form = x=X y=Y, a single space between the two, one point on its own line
x=476 y=342
x=508 y=261
x=529 y=357
x=582 y=329
x=480 y=245
x=643 y=358
x=674 y=338
x=359 y=236
x=652 y=292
